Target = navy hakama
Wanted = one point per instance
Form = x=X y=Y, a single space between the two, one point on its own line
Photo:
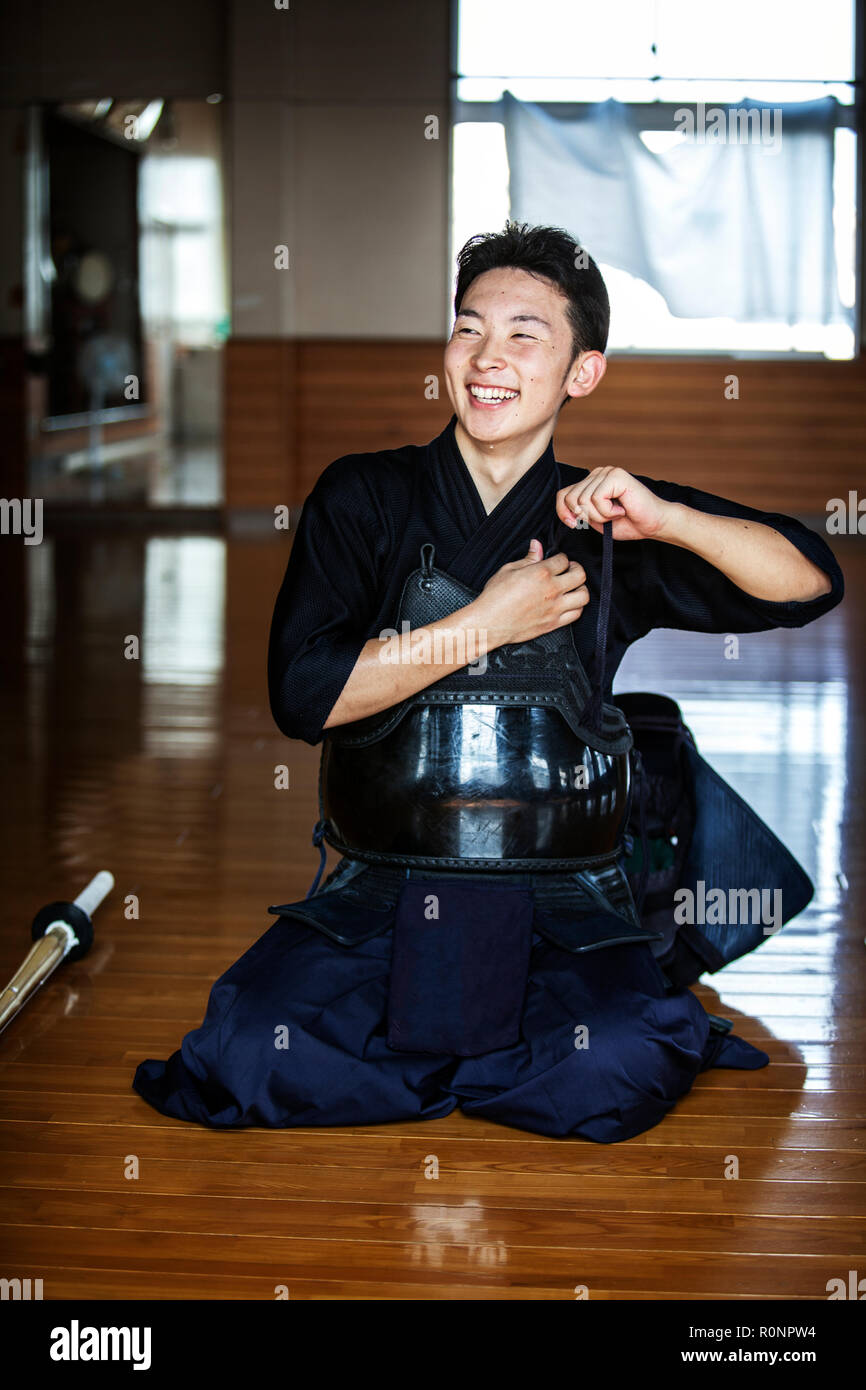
x=604 y=1050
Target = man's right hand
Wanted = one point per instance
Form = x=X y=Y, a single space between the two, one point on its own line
x=520 y=601
x=531 y=596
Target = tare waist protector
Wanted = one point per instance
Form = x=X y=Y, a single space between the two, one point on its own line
x=514 y=762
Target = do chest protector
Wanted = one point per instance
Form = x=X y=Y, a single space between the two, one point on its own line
x=518 y=766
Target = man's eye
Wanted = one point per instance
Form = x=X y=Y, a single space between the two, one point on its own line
x=528 y=336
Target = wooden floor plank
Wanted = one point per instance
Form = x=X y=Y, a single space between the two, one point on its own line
x=483 y=1265
x=590 y=1214
x=258 y=1161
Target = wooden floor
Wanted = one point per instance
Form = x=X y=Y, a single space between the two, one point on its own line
x=161 y=769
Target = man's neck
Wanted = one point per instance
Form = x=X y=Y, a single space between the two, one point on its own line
x=495 y=468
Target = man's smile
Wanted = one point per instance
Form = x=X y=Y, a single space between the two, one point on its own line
x=490 y=397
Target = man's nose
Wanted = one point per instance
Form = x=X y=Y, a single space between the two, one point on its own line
x=488 y=354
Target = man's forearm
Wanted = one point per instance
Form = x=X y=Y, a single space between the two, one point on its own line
x=756 y=558
x=389 y=670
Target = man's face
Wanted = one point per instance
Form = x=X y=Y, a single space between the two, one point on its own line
x=509 y=361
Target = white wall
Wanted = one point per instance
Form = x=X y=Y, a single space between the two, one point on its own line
x=327 y=155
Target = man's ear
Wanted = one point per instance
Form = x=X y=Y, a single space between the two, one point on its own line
x=585 y=373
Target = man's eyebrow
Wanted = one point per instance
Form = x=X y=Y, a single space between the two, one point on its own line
x=530 y=318
x=515 y=318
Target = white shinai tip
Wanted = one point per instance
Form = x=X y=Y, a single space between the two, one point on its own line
x=97 y=889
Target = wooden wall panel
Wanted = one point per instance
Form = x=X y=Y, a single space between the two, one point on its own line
x=260 y=423
x=357 y=396
x=795 y=437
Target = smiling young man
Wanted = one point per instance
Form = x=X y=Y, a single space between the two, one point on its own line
x=478 y=943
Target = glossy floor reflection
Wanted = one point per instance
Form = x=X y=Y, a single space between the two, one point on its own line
x=149 y=471
x=136 y=736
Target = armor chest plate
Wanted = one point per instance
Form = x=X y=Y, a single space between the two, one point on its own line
x=497 y=765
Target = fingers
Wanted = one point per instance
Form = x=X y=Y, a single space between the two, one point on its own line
x=600 y=508
x=558 y=563
x=577 y=598
x=565 y=509
x=532 y=556
x=569 y=576
x=598 y=496
x=574 y=594
x=570 y=616
x=576 y=604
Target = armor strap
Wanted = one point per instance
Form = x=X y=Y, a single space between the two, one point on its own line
x=592 y=713
x=319 y=844
x=640 y=892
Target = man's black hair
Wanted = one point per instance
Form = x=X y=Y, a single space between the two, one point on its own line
x=556 y=256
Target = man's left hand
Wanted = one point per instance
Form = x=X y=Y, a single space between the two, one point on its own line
x=612 y=494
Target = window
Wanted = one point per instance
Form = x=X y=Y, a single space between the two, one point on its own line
x=659 y=58
x=182 y=253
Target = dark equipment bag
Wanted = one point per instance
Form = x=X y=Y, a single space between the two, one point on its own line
x=689 y=830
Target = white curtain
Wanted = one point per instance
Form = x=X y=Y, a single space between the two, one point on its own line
x=742 y=230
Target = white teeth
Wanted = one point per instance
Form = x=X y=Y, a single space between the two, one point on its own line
x=493 y=393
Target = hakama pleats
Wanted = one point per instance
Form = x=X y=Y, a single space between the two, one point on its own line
x=295 y=1034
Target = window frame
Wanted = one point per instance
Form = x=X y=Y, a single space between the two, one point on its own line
x=660 y=115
